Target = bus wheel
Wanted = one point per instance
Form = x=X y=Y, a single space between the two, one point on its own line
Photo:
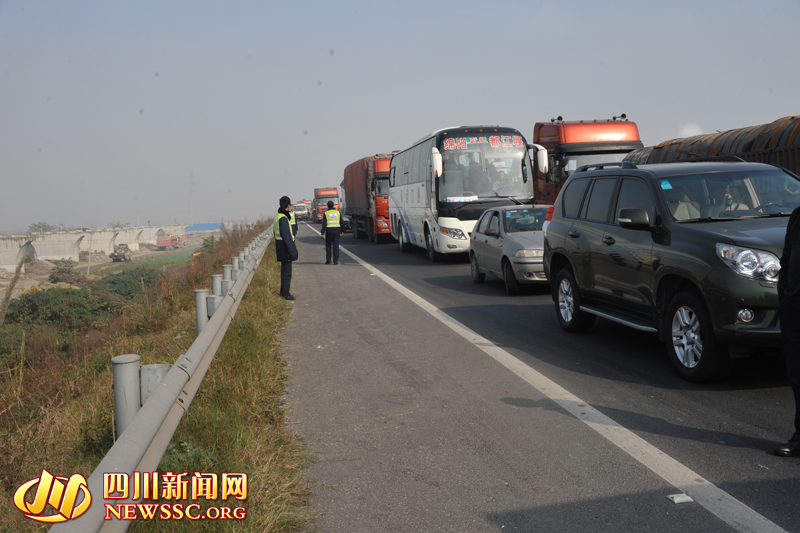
x=404 y=246
x=433 y=255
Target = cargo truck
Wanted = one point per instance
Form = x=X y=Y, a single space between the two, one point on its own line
x=366 y=193
x=171 y=242
x=301 y=211
x=570 y=145
x=776 y=143
x=321 y=198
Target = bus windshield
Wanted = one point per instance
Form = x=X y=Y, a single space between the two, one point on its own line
x=483 y=167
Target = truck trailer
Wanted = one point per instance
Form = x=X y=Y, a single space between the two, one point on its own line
x=776 y=143
x=321 y=198
x=570 y=145
x=366 y=193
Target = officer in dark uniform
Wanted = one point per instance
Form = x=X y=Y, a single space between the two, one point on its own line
x=789 y=297
x=331 y=230
x=285 y=248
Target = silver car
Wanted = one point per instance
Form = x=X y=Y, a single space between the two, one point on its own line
x=509 y=243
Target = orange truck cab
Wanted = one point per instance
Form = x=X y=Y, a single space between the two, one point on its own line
x=366 y=192
x=570 y=145
x=321 y=198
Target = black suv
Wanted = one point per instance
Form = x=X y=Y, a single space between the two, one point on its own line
x=690 y=250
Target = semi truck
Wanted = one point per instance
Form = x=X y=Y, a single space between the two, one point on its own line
x=366 y=193
x=572 y=144
x=321 y=198
x=776 y=143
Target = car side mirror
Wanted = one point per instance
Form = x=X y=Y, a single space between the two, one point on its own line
x=492 y=232
x=633 y=218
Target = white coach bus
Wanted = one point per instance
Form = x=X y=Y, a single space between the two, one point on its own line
x=440 y=186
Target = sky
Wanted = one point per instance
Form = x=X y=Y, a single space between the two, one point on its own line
x=203 y=111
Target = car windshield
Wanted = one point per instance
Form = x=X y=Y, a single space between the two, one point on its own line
x=733 y=194
x=524 y=219
x=484 y=167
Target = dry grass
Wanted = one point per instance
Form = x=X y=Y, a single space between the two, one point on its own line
x=57 y=407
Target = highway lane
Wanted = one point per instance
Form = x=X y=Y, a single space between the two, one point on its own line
x=722 y=432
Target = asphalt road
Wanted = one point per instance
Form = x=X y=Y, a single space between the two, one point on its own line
x=415 y=427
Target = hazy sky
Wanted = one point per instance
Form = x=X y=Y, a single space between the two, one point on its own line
x=198 y=111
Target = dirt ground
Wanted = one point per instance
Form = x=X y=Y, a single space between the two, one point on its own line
x=37 y=272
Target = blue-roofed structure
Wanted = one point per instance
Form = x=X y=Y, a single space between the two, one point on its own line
x=204 y=227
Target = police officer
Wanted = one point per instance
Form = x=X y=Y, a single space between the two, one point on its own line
x=331 y=230
x=285 y=248
x=789 y=298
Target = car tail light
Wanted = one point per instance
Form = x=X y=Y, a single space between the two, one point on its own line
x=550 y=210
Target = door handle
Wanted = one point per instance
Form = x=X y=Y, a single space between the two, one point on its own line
x=609 y=240
x=574 y=234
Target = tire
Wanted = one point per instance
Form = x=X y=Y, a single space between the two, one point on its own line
x=568 y=302
x=404 y=246
x=512 y=285
x=371 y=231
x=477 y=275
x=432 y=254
x=692 y=347
x=356 y=234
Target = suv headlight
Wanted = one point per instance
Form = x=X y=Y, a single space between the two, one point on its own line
x=529 y=253
x=453 y=233
x=749 y=263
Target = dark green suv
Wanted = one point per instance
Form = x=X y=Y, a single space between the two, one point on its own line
x=689 y=250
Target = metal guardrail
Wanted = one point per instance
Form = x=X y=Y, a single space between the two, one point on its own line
x=143 y=443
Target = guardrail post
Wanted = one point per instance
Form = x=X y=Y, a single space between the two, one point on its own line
x=201 y=308
x=241 y=260
x=127 y=394
x=226 y=279
x=234 y=268
x=216 y=294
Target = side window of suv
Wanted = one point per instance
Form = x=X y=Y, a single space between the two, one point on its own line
x=601 y=198
x=573 y=195
x=634 y=193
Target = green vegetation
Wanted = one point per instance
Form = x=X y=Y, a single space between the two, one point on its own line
x=40 y=227
x=56 y=400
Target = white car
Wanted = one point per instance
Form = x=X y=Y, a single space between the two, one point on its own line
x=509 y=243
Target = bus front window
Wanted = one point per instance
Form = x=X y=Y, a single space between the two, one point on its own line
x=482 y=167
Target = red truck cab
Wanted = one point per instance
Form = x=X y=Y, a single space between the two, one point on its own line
x=570 y=145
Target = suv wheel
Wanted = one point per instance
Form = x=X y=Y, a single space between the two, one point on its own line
x=477 y=275
x=512 y=285
x=568 y=303
x=693 y=349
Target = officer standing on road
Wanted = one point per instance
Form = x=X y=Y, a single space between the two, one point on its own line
x=285 y=248
x=789 y=298
x=331 y=230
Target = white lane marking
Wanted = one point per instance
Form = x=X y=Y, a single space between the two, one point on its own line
x=724 y=506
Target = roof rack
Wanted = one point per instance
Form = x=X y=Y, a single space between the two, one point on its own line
x=601 y=166
x=728 y=158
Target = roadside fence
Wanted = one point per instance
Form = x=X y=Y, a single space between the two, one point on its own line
x=151 y=400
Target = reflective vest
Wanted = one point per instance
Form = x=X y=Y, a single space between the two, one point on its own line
x=332 y=218
x=292 y=223
x=276 y=228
